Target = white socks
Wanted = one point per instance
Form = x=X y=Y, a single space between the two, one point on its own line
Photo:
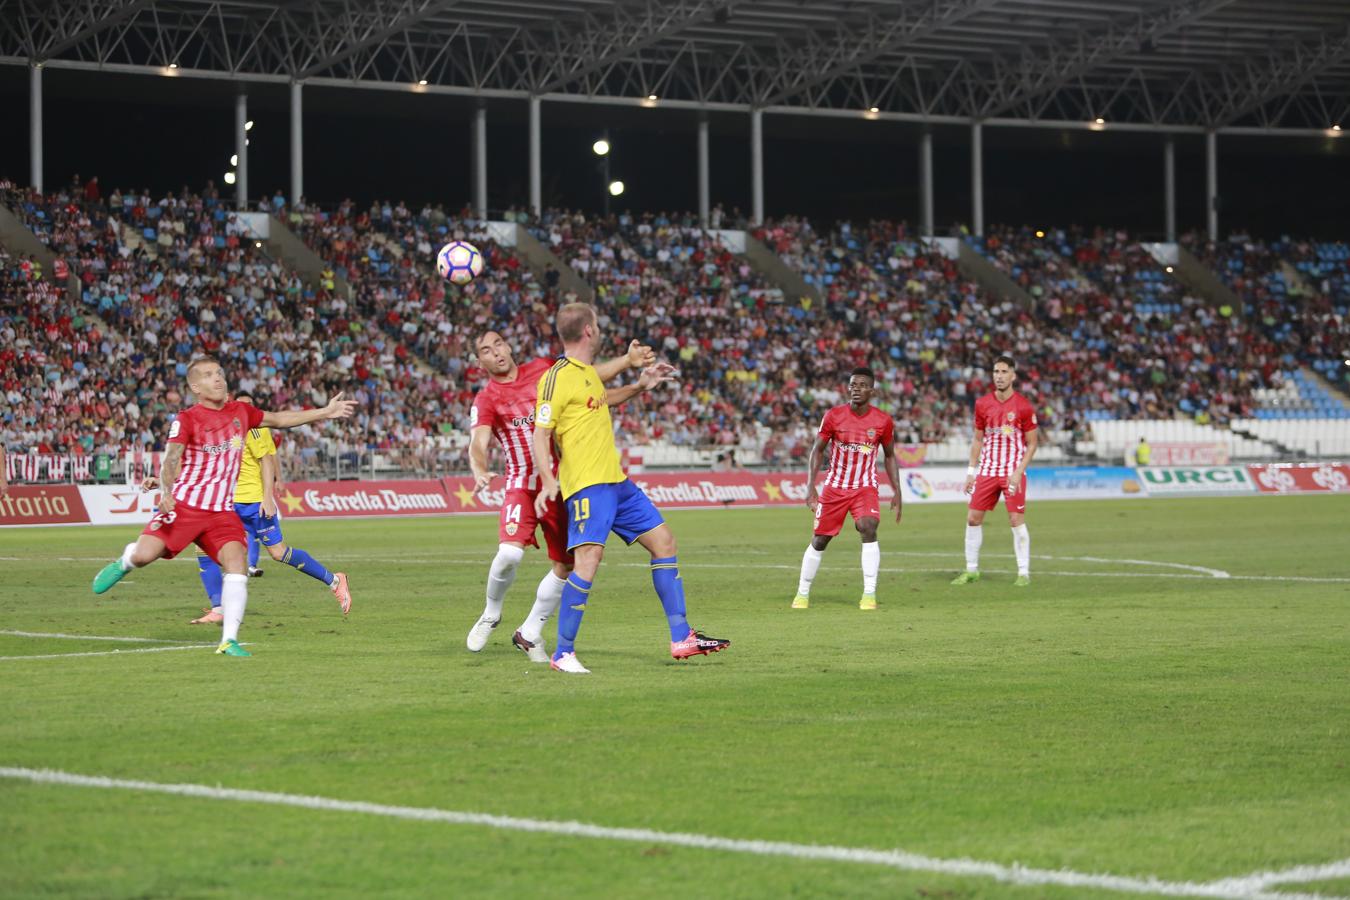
x=126 y=557
x=546 y=600
x=1021 y=547
x=233 y=599
x=871 y=564
x=500 y=577
x=810 y=565
x=974 y=537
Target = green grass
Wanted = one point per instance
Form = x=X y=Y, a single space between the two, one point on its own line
x=1185 y=728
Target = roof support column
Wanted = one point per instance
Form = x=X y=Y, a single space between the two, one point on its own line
x=926 y=183
x=536 y=170
x=35 y=127
x=703 y=192
x=297 y=145
x=1170 y=187
x=480 y=203
x=757 y=167
x=1212 y=185
x=241 y=150
x=977 y=179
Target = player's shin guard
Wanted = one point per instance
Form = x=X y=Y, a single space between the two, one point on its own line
x=501 y=576
x=233 y=600
x=303 y=562
x=871 y=565
x=546 y=600
x=974 y=538
x=1022 y=549
x=572 y=608
x=810 y=565
x=210 y=573
x=670 y=588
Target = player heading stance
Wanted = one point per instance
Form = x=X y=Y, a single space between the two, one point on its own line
x=857 y=431
x=1005 y=441
x=573 y=411
x=201 y=466
x=256 y=505
x=504 y=409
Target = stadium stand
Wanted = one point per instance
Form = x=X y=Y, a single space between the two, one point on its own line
x=1113 y=349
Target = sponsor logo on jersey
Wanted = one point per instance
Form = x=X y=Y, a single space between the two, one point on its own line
x=521 y=421
x=857 y=448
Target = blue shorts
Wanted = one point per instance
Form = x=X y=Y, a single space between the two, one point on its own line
x=595 y=511
x=267 y=529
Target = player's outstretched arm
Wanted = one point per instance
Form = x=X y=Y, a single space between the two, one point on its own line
x=337 y=408
x=639 y=356
x=652 y=376
x=893 y=473
x=168 y=474
x=478 y=457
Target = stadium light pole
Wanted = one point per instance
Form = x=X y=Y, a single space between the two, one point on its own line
x=35 y=127
x=703 y=192
x=757 y=166
x=926 y=182
x=241 y=150
x=1212 y=185
x=480 y=160
x=536 y=173
x=977 y=179
x=297 y=145
x=1170 y=187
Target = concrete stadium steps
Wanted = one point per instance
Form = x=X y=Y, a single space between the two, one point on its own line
x=1114 y=440
x=540 y=258
x=1308 y=437
x=17 y=238
x=290 y=250
x=975 y=266
x=768 y=264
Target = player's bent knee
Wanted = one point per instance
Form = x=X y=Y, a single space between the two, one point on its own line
x=820 y=542
x=277 y=552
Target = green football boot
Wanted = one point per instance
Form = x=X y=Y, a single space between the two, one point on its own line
x=231 y=648
x=966 y=578
x=108 y=576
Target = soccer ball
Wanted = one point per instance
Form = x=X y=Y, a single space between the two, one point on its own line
x=459 y=262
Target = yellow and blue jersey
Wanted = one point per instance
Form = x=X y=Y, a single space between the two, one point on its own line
x=249 y=486
x=571 y=403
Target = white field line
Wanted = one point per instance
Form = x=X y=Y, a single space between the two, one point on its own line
x=106 y=652
x=895 y=859
x=1259 y=881
x=93 y=637
x=1200 y=572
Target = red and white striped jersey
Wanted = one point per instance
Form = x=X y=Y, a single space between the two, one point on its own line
x=507 y=407
x=214 y=442
x=1005 y=426
x=855 y=441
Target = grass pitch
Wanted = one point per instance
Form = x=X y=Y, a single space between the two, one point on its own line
x=1132 y=718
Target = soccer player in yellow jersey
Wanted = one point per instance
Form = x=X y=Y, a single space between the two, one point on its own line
x=257 y=509
x=572 y=412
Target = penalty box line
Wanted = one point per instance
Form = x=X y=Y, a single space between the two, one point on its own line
x=1250 y=887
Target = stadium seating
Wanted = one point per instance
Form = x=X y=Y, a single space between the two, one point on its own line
x=1112 y=345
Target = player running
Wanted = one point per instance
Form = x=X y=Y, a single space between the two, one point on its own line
x=255 y=504
x=504 y=409
x=573 y=411
x=1005 y=441
x=201 y=467
x=856 y=430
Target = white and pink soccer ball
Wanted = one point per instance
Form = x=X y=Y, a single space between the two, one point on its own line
x=459 y=262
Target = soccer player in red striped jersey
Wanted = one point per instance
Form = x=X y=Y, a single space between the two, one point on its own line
x=1005 y=441
x=855 y=432
x=504 y=411
x=197 y=479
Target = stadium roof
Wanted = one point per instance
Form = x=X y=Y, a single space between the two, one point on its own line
x=1187 y=65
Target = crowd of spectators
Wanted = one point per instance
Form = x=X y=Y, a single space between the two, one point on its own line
x=162 y=278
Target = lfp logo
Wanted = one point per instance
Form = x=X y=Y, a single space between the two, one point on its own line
x=918 y=486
